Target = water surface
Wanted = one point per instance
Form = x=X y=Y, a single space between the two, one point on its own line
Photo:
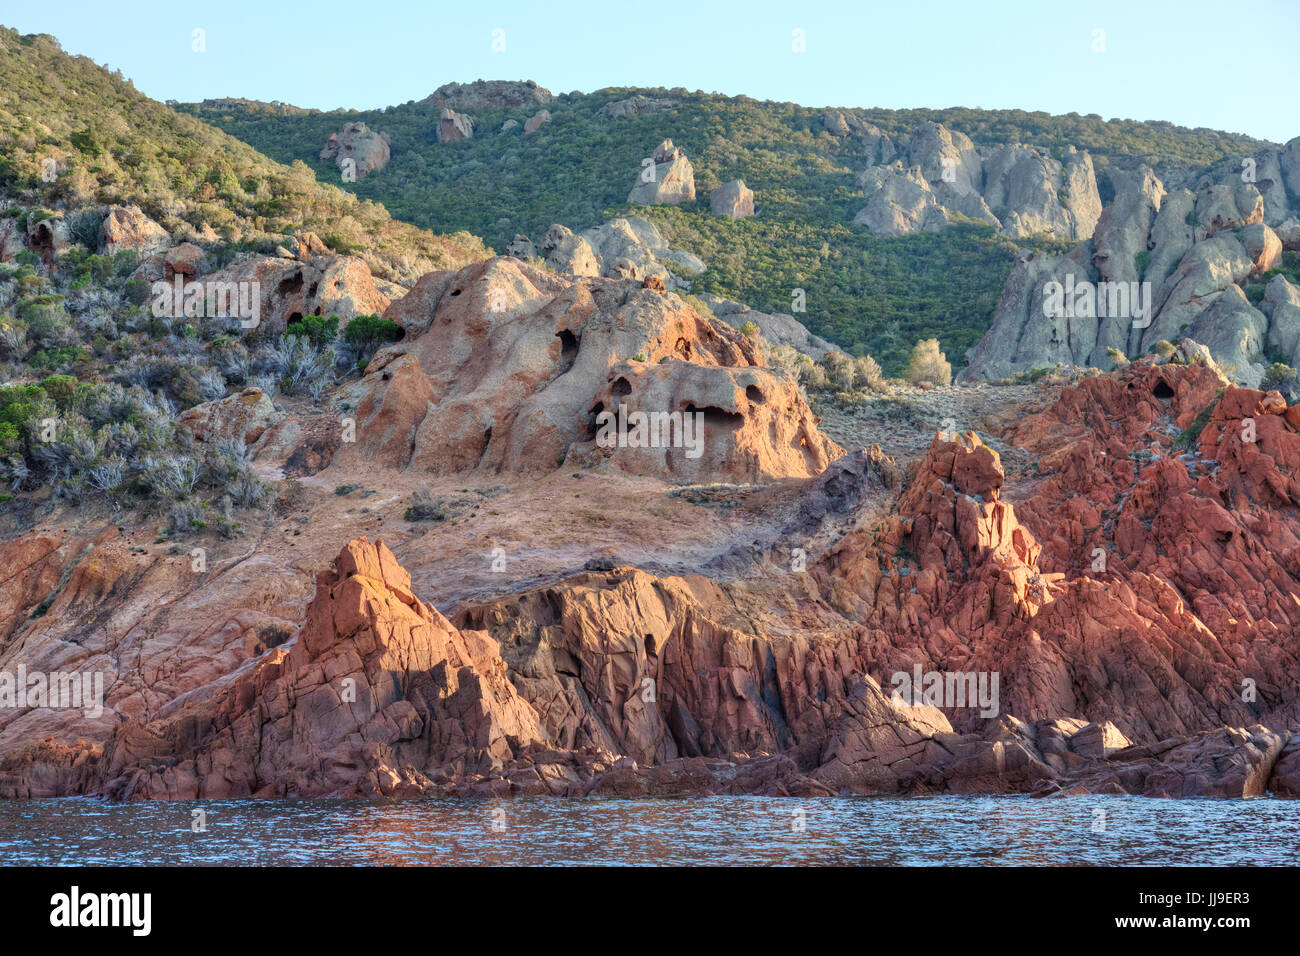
x=845 y=831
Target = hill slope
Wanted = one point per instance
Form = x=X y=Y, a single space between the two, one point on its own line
x=869 y=294
x=108 y=143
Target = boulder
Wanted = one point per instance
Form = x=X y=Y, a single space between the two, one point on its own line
x=1263 y=246
x=454 y=127
x=359 y=148
x=127 y=227
x=669 y=178
x=1220 y=207
x=733 y=199
x=185 y=259
x=535 y=121
x=244 y=417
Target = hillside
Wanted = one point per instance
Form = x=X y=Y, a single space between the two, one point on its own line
x=66 y=119
x=870 y=294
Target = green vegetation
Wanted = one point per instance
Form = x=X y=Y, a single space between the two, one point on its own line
x=868 y=295
x=108 y=143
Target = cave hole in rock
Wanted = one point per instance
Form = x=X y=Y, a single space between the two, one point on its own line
x=755 y=394
x=289 y=285
x=568 y=349
x=1162 y=390
x=592 y=416
x=621 y=386
x=719 y=417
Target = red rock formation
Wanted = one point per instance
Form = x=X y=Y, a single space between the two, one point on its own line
x=378 y=693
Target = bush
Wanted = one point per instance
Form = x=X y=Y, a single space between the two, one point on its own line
x=366 y=333
x=318 y=329
x=867 y=373
x=928 y=364
x=1282 y=378
x=425 y=507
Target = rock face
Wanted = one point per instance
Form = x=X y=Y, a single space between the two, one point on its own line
x=777 y=328
x=733 y=199
x=503 y=367
x=536 y=120
x=668 y=178
x=358 y=148
x=638 y=105
x=1188 y=253
x=1019 y=190
x=378 y=695
x=626 y=248
x=1125 y=594
x=488 y=94
x=126 y=227
x=454 y=127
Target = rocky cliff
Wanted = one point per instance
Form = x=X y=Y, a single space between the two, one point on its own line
x=1162 y=265
x=1135 y=595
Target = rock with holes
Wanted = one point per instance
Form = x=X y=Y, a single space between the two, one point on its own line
x=702 y=423
x=503 y=365
x=357 y=150
x=286 y=289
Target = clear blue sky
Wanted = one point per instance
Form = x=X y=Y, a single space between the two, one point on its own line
x=1225 y=65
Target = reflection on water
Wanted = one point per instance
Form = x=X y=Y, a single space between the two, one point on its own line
x=980 y=831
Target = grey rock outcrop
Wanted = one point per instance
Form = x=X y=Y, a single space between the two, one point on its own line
x=1188 y=254
x=899 y=202
x=627 y=248
x=638 y=105
x=777 y=328
x=488 y=94
x=733 y=199
x=1282 y=306
x=667 y=178
x=1019 y=190
x=367 y=150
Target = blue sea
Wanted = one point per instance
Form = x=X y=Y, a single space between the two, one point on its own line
x=728 y=831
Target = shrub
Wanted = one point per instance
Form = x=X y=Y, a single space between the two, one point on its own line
x=60 y=389
x=366 y=333
x=320 y=330
x=749 y=330
x=928 y=364
x=425 y=507
x=867 y=373
x=1282 y=378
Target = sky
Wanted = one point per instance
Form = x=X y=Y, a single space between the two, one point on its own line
x=1224 y=65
